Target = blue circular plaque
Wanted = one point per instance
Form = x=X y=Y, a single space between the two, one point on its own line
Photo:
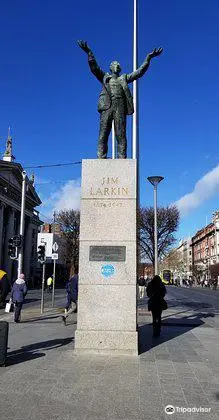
x=107 y=270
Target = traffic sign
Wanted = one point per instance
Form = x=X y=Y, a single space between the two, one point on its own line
x=55 y=247
x=55 y=256
x=107 y=270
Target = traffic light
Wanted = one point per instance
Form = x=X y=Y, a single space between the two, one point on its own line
x=12 y=249
x=41 y=253
x=17 y=240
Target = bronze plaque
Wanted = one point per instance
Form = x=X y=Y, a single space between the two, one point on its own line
x=107 y=253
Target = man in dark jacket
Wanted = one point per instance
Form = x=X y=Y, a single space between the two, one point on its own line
x=72 y=295
x=156 y=292
x=18 y=293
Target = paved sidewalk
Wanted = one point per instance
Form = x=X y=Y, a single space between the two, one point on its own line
x=46 y=380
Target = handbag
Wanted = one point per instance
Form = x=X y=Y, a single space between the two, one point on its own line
x=149 y=304
x=164 y=305
x=9 y=306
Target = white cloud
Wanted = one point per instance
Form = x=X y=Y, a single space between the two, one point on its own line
x=204 y=189
x=67 y=197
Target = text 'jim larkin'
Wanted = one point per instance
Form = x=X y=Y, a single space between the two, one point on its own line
x=109 y=188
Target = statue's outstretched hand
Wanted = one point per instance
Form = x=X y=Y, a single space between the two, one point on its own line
x=156 y=52
x=83 y=45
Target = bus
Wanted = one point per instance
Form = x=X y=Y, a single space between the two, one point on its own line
x=167 y=277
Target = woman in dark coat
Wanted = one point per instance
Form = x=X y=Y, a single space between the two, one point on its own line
x=156 y=292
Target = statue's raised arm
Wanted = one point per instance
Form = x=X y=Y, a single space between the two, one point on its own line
x=143 y=68
x=95 y=69
x=83 y=45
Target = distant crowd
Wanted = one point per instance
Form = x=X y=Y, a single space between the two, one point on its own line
x=205 y=283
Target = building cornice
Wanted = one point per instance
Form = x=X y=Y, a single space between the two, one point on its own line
x=17 y=169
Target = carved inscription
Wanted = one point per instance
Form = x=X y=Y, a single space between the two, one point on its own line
x=107 y=203
x=109 y=187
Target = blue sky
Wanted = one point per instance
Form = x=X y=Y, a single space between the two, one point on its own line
x=49 y=97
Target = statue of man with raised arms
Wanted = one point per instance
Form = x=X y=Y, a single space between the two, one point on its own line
x=115 y=100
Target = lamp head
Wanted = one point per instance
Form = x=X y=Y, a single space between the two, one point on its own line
x=154 y=180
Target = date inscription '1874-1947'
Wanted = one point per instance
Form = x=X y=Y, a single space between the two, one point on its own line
x=107 y=253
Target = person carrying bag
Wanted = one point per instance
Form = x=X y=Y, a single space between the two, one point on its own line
x=18 y=293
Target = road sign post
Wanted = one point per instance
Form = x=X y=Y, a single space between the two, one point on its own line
x=43 y=285
x=55 y=257
x=42 y=259
x=53 y=283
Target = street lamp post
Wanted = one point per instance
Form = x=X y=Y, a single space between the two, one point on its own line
x=154 y=180
x=22 y=223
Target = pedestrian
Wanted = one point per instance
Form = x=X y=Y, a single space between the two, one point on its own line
x=215 y=283
x=206 y=283
x=156 y=303
x=72 y=295
x=68 y=294
x=18 y=293
x=147 y=280
x=49 y=282
x=141 y=287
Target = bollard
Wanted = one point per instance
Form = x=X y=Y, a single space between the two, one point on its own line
x=3 y=342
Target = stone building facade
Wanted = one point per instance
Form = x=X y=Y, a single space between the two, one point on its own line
x=179 y=260
x=205 y=248
x=10 y=206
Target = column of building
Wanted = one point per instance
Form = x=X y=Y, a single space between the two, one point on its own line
x=1 y=231
x=29 y=251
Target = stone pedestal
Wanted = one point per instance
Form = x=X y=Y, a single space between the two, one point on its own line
x=107 y=267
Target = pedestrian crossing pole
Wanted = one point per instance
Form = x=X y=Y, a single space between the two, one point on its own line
x=53 y=283
x=54 y=256
x=43 y=286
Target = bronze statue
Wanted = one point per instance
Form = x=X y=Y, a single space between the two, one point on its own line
x=8 y=151
x=115 y=100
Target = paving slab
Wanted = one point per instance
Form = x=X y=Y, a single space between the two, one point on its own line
x=49 y=381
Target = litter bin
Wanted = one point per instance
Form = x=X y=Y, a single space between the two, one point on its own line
x=3 y=342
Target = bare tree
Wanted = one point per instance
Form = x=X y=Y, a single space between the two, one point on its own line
x=167 y=223
x=172 y=261
x=69 y=221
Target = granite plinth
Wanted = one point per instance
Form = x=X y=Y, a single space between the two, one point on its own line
x=107 y=289
x=109 y=342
